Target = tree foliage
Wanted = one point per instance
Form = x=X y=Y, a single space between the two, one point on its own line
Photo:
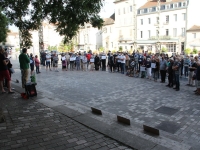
x=67 y=15
x=187 y=51
x=3 y=27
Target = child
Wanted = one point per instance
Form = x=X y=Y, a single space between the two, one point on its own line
x=37 y=64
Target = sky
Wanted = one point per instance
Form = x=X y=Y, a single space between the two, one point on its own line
x=106 y=12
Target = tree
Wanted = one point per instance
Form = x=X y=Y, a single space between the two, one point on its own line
x=187 y=51
x=52 y=48
x=195 y=51
x=101 y=49
x=68 y=47
x=120 y=49
x=67 y=15
x=3 y=27
x=164 y=50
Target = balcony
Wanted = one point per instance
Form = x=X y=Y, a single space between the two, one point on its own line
x=162 y=37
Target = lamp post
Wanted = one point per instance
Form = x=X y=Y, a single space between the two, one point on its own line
x=158 y=27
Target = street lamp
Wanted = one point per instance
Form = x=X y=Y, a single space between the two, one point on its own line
x=158 y=27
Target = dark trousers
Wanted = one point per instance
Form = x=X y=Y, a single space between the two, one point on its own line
x=111 y=67
x=118 y=66
x=122 y=68
x=170 y=78
x=186 y=71
x=103 y=64
x=163 y=75
x=177 y=81
x=37 y=69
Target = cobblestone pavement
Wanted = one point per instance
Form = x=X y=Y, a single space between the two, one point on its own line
x=141 y=100
x=31 y=125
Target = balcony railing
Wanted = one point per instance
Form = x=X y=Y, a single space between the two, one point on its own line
x=164 y=37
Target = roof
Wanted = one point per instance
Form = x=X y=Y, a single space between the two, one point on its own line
x=108 y=21
x=154 y=3
x=194 y=28
x=117 y=1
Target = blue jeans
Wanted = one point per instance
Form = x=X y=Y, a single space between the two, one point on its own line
x=177 y=83
x=122 y=67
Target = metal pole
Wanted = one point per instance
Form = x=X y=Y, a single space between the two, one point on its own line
x=158 y=26
x=134 y=26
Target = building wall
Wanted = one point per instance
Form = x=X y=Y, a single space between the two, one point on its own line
x=193 y=40
x=89 y=38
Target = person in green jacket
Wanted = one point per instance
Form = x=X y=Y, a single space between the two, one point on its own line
x=24 y=66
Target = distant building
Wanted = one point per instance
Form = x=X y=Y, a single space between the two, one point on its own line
x=193 y=36
x=88 y=38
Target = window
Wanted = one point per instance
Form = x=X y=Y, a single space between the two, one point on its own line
x=175 y=17
x=138 y=11
x=145 y=10
x=149 y=33
x=124 y=11
x=171 y=47
x=183 y=31
x=168 y=6
x=162 y=7
x=118 y=11
x=131 y=9
x=179 y=4
x=141 y=20
x=184 y=4
x=149 y=20
x=175 y=5
x=153 y=9
x=167 y=19
x=171 y=6
x=141 y=34
x=174 y=32
x=167 y=32
x=194 y=35
x=184 y=16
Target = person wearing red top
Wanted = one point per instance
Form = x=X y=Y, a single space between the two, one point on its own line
x=37 y=64
x=88 y=58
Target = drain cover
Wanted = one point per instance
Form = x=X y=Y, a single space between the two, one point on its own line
x=167 y=110
x=168 y=126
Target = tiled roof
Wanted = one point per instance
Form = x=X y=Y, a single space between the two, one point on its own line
x=154 y=3
x=194 y=28
x=108 y=21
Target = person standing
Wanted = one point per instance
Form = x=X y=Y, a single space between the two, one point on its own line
x=64 y=62
x=148 y=68
x=48 y=61
x=67 y=59
x=78 y=62
x=55 y=62
x=170 y=73
x=186 y=66
x=96 y=62
x=176 y=67
x=198 y=79
x=163 y=67
x=32 y=63
x=111 y=63
x=4 y=72
x=37 y=64
x=24 y=66
x=84 y=62
x=103 y=61
x=123 y=61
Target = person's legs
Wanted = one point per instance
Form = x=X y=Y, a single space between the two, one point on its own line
x=177 y=81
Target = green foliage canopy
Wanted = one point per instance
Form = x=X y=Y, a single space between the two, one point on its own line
x=67 y=15
x=3 y=27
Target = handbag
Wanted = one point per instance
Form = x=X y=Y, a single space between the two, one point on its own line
x=12 y=70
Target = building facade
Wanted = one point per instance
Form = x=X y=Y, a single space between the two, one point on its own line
x=89 y=38
x=159 y=28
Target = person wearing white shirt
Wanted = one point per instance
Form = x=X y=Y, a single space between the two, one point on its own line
x=123 y=60
x=118 y=61
x=48 y=61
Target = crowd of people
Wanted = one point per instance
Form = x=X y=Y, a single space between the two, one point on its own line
x=137 y=64
x=142 y=65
